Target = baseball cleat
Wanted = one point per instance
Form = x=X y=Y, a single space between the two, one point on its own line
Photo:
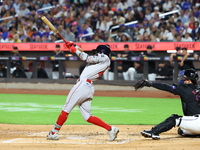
x=52 y=136
x=150 y=134
x=113 y=133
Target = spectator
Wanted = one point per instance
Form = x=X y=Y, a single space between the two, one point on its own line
x=167 y=6
x=69 y=36
x=187 y=29
x=19 y=72
x=171 y=34
x=146 y=37
x=44 y=39
x=16 y=4
x=9 y=39
x=196 y=31
x=3 y=70
x=61 y=30
x=177 y=38
x=22 y=35
x=151 y=64
x=1 y=38
x=74 y=30
x=114 y=23
x=15 y=53
x=127 y=67
x=53 y=38
x=16 y=38
x=101 y=24
x=179 y=25
x=152 y=38
x=156 y=11
x=28 y=31
x=41 y=72
x=37 y=39
x=155 y=31
x=125 y=38
x=96 y=38
x=184 y=18
x=163 y=34
x=145 y=29
x=55 y=63
x=23 y=11
x=162 y=69
x=35 y=33
x=26 y=40
x=178 y=51
x=187 y=38
x=186 y=64
x=120 y=19
x=47 y=32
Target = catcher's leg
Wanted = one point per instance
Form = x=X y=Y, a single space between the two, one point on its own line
x=164 y=126
x=189 y=126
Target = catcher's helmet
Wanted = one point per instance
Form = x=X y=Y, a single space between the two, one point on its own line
x=188 y=74
x=103 y=49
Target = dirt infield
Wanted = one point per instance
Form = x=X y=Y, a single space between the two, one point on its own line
x=32 y=137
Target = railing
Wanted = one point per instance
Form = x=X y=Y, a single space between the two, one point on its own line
x=145 y=61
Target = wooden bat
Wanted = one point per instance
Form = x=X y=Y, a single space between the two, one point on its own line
x=50 y=25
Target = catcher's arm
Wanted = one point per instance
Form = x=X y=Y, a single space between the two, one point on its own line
x=141 y=83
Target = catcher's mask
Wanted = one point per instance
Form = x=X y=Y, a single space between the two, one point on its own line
x=103 y=49
x=188 y=74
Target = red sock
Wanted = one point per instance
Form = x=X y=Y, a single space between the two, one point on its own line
x=62 y=118
x=97 y=121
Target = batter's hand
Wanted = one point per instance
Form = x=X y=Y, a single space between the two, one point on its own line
x=71 y=46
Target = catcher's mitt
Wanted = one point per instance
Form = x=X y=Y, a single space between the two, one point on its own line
x=141 y=83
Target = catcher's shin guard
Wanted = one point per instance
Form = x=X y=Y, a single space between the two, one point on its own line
x=166 y=125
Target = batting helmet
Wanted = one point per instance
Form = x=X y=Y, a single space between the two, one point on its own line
x=103 y=49
x=188 y=74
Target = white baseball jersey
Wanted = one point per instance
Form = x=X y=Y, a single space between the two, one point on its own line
x=96 y=67
x=82 y=92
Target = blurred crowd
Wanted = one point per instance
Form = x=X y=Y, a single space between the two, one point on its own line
x=100 y=20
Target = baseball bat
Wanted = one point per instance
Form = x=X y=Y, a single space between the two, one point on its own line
x=50 y=25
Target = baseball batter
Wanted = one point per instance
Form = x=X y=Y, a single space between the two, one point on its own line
x=187 y=89
x=82 y=92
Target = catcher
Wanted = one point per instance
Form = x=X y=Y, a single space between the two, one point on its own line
x=187 y=89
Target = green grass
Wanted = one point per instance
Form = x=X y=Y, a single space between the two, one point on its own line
x=44 y=109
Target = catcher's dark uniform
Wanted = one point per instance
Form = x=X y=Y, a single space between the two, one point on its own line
x=187 y=92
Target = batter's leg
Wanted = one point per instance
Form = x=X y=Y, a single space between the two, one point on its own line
x=85 y=109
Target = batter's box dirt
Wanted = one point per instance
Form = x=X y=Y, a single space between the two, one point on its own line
x=89 y=137
x=83 y=138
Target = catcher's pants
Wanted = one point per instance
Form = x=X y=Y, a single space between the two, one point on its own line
x=81 y=94
x=190 y=125
x=129 y=74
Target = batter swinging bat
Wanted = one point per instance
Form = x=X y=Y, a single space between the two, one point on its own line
x=49 y=24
